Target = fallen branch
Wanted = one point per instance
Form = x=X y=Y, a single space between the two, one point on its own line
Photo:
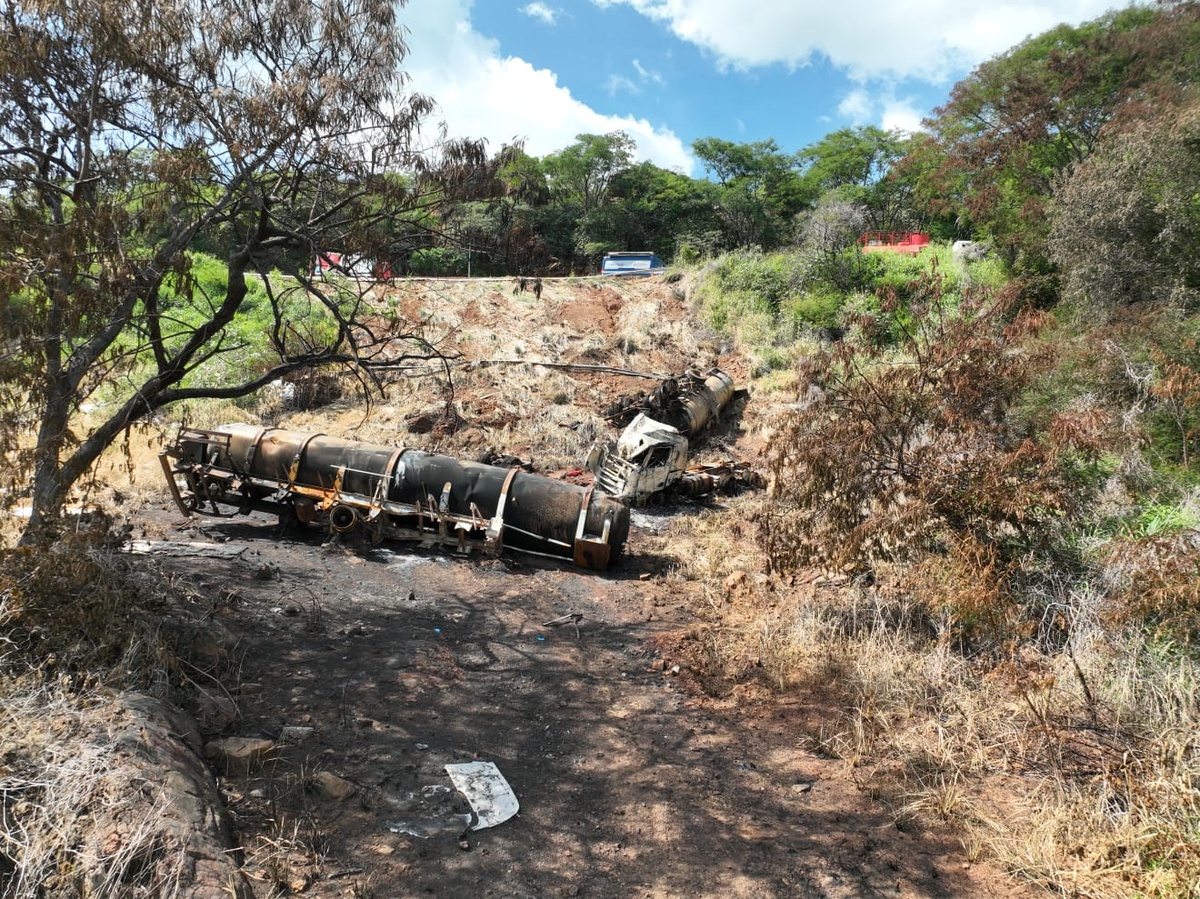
x=566 y=366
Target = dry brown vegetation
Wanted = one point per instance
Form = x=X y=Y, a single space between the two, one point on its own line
x=1028 y=686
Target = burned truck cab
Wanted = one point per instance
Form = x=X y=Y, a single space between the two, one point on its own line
x=649 y=461
x=645 y=461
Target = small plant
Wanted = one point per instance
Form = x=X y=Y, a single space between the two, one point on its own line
x=818 y=308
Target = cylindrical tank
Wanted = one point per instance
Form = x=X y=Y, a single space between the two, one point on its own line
x=703 y=405
x=536 y=513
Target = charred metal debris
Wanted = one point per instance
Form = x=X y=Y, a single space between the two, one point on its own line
x=381 y=492
x=649 y=461
x=376 y=492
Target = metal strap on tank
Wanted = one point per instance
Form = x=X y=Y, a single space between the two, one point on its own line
x=443 y=508
x=294 y=467
x=591 y=552
x=495 y=531
x=583 y=511
x=385 y=483
x=250 y=453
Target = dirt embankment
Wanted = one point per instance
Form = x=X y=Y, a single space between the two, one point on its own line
x=344 y=681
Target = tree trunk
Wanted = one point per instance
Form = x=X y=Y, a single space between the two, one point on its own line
x=49 y=491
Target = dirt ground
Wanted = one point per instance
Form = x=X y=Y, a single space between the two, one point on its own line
x=631 y=781
x=370 y=670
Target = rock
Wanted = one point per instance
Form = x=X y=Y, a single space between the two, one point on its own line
x=420 y=422
x=801 y=788
x=295 y=735
x=215 y=712
x=328 y=785
x=735 y=581
x=238 y=756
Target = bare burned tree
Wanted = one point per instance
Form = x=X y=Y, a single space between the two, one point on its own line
x=132 y=132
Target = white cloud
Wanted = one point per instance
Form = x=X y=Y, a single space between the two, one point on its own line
x=856 y=106
x=647 y=75
x=623 y=84
x=924 y=39
x=901 y=115
x=619 y=84
x=861 y=107
x=482 y=94
x=541 y=11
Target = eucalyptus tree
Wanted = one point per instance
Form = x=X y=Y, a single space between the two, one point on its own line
x=132 y=130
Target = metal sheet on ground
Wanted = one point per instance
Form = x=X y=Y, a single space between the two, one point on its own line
x=489 y=794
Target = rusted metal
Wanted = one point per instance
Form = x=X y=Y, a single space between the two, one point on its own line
x=649 y=460
x=384 y=492
x=687 y=402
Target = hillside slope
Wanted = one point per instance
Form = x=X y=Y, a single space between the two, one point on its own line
x=355 y=675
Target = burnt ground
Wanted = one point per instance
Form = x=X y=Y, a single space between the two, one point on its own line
x=632 y=781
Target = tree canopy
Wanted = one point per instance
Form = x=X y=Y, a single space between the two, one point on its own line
x=132 y=133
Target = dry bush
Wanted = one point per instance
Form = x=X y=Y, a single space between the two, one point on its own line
x=1155 y=581
x=1124 y=222
x=1075 y=771
x=889 y=450
x=73 y=606
x=1111 y=810
x=906 y=448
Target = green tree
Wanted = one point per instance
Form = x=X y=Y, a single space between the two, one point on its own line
x=579 y=178
x=129 y=132
x=1023 y=117
x=582 y=173
x=761 y=190
x=650 y=208
x=860 y=166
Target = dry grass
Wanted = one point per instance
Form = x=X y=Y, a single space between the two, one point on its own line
x=1073 y=766
x=79 y=626
x=56 y=780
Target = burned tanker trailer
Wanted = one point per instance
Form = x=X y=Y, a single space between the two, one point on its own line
x=380 y=492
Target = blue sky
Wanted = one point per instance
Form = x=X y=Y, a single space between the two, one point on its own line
x=669 y=72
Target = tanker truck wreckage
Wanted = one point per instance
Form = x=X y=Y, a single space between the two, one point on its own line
x=374 y=492
x=649 y=461
x=382 y=492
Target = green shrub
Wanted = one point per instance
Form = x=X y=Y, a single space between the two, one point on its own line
x=437 y=262
x=899 y=272
x=723 y=309
x=988 y=272
x=818 y=308
x=770 y=278
x=1162 y=519
x=845 y=272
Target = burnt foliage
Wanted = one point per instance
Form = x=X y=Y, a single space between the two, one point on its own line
x=906 y=448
